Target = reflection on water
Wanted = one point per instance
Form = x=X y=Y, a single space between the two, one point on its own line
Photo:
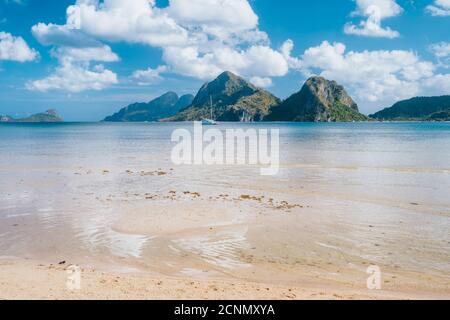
x=220 y=249
x=95 y=234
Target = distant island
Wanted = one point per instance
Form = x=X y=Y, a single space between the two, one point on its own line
x=419 y=108
x=164 y=106
x=48 y=116
x=230 y=98
x=320 y=100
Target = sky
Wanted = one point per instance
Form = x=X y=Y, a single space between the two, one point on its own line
x=89 y=58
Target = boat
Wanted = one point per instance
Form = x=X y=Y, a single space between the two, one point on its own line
x=210 y=122
x=246 y=117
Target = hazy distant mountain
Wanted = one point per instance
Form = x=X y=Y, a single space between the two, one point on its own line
x=232 y=99
x=48 y=116
x=320 y=100
x=162 y=107
x=419 y=108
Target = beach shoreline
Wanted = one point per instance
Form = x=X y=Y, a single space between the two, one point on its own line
x=32 y=280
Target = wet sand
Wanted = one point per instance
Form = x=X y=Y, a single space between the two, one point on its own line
x=204 y=244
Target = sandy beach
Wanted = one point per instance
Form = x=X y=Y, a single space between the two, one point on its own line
x=33 y=280
x=224 y=247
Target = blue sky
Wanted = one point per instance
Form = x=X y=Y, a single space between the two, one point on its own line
x=89 y=58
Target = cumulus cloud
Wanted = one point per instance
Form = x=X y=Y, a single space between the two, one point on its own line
x=261 y=82
x=198 y=38
x=15 y=49
x=256 y=61
x=286 y=50
x=149 y=76
x=437 y=85
x=137 y=21
x=439 y=8
x=224 y=19
x=442 y=52
x=70 y=54
x=374 y=11
x=75 y=78
x=235 y=15
x=75 y=51
x=58 y=35
x=374 y=76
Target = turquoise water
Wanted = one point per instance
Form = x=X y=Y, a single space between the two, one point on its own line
x=420 y=147
x=385 y=144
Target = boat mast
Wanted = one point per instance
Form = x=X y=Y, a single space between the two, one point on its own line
x=211 y=104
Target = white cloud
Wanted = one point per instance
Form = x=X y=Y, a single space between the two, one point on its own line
x=441 y=50
x=374 y=11
x=286 y=51
x=439 y=8
x=380 y=76
x=137 y=21
x=224 y=19
x=75 y=78
x=236 y=15
x=198 y=38
x=261 y=82
x=256 y=61
x=57 y=35
x=149 y=76
x=437 y=85
x=75 y=51
x=15 y=49
x=101 y=53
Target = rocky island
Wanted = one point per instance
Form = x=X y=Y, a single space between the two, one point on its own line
x=164 y=106
x=417 y=109
x=229 y=98
x=48 y=116
x=320 y=100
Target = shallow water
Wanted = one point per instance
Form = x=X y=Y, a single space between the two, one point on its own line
x=109 y=195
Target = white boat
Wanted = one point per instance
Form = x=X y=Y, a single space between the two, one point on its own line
x=210 y=122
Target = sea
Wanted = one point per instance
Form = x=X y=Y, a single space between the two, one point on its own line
x=346 y=195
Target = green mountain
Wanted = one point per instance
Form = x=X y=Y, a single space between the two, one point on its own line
x=319 y=100
x=419 y=108
x=162 y=107
x=232 y=99
x=48 y=116
x=440 y=116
